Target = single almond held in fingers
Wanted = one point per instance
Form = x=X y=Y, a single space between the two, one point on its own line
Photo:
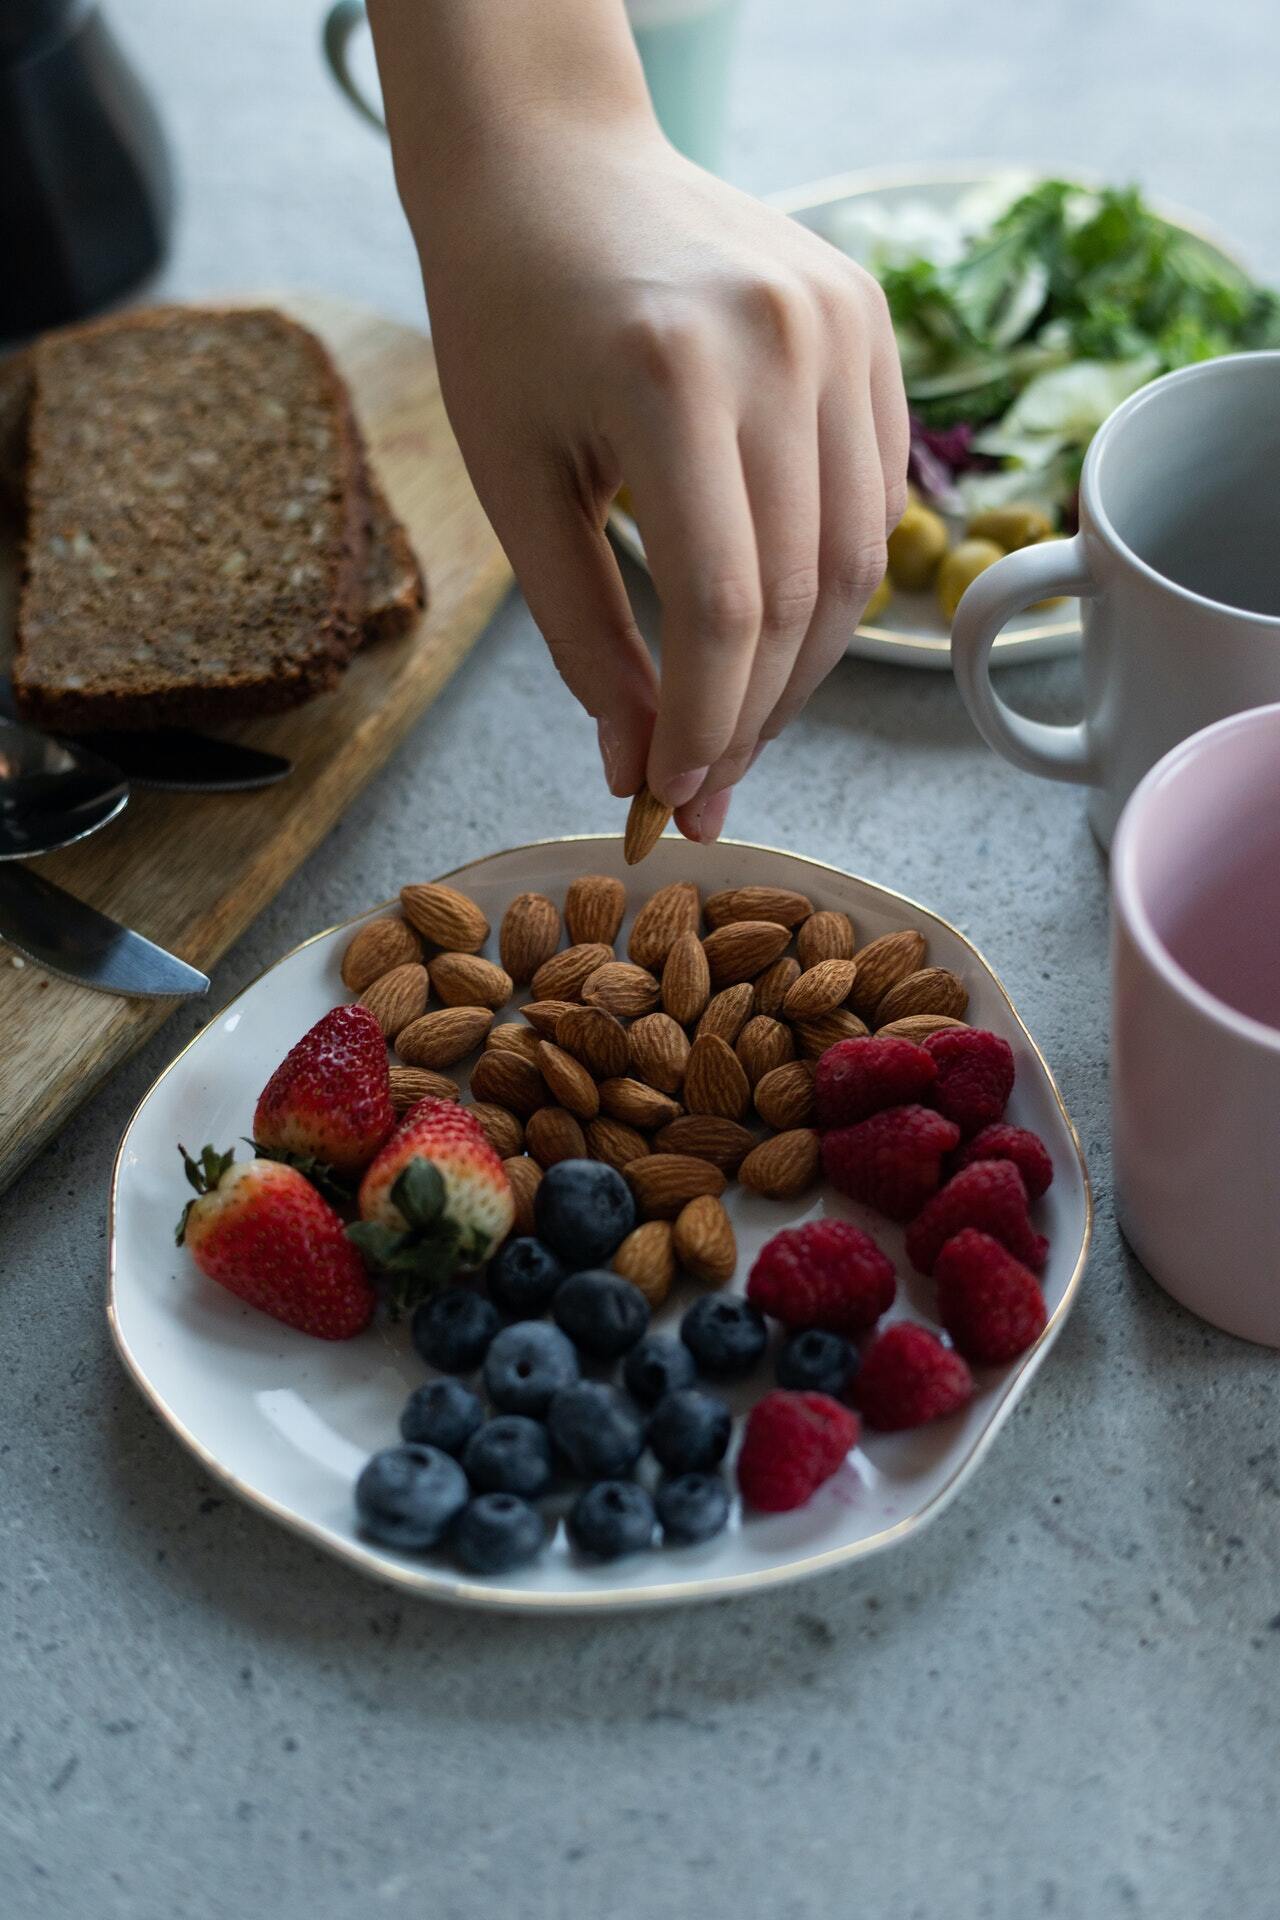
x=704 y=1243
x=931 y=990
x=593 y=908
x=379 y=946
x=445 y=917
x=596 y=1038
x=743 y=949
x=614 y=1142
x=509 y=1080
x=561 y=977
x=686 y=979
x=819 y=989
x=411 y=1084
x=664 y=1183
x=784 y=1098
x=441 y=1039
x=646 y=819
x=784 y=1167
x=524 y=1175
x=647 y=1259
x=707 y=1136
x=530 y=934
x=824 y=936
x=398 y=997
x=774 y=984
x=570 y=1083
x=881 y=964
x=501 y=1128
x=667 y=914
x=659 y=1052
x=757 y=903
x=727 y=1013
x=640 y=1106
x=714 y=1079
x=814 y=1036
x=622 y=989
x=764 y=1044
x=515 y=1037
x=918 y=1026
x=544 y=1015
x=465 y=980
x=553 y=1134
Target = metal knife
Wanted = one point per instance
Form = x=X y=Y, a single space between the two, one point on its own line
x=176 y=760
x=75 y=941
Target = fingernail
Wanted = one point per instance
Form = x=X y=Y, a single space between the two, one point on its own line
x=610 y=741
x=681 y=787
x=707 y=818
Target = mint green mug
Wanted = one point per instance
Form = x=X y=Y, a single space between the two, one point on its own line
x=685 y=46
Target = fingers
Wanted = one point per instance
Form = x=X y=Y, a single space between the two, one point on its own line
x=893 y=424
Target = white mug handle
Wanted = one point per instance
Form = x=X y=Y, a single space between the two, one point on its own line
x=1018 y=581
x=342 y=20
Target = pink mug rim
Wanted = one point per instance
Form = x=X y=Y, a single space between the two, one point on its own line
x=1143 y=807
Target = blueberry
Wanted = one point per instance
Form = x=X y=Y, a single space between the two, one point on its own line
x=584 y=1211
x=602 y=1313
x=497 y=1532
x=726 y=1336
x=526 y=1364
x=523 y=1277
x=595 y=1430
x=453 y=1329
x=816 y=1362
x=407 y=1496
x=658 y=1365
x=441 y=1413
x=612 y=1517
x=689 y=1430
x=691 y=1506
x=510 y=1454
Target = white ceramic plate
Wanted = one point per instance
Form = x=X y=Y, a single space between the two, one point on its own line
x=856 y=212
x=287 y=1421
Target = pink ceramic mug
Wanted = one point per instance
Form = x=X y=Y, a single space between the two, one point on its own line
x=1195 y=1042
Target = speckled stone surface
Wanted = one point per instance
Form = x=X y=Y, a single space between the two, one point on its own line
x=1063 y=1698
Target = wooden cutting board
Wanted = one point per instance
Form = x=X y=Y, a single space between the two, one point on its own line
x=191 y=871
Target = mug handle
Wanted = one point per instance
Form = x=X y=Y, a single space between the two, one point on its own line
x=1017 y=581
x=344 y=19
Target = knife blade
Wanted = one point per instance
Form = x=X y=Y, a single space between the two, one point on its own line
x=174 y=759
x=63 y=935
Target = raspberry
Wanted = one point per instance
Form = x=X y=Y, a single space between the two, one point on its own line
x=988 y=1195
x=1026 y=1150
x=893 y=1161
x=857 y=1078
x=989 y=1303
x=827 y=1274
x=792 y=1443
x=907 y=1377
x=975 y=1075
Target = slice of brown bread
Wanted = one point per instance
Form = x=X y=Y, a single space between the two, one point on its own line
x=394 y=590
x=196 y=522
x=15 y=397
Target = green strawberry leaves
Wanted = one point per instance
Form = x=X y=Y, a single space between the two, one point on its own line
x=204 y=1175
x=424 y=1257
x=420 y=1194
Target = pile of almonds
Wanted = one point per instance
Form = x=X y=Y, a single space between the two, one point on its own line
x=685 y=1065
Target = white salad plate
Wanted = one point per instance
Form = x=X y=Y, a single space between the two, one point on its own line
x=862 y=213
x=286 y=1421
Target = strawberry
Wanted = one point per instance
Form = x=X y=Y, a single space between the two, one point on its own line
x=436 y=1199
x=262 y=1231
x=327 y=1107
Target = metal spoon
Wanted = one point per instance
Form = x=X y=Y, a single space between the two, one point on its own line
x=52 y=794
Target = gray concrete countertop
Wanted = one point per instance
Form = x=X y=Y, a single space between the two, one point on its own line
x=1062 y=1699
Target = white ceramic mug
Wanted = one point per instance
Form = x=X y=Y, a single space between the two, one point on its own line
x=1195 y=1041
x=1177 y=563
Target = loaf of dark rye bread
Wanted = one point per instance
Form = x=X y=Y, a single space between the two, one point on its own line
x=203 y=540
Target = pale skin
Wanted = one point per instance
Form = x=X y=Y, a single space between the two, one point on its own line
x=604 y=310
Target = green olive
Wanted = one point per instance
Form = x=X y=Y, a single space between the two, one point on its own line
x=916 y=545
x=878 y=601
x=1010 y=527
x=962 y=566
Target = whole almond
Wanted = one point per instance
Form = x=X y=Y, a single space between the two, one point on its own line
x=544 y=1015
x=757 y=903
x=784 y=1167
x=815 y=1036
x=647 y=1259
x=570 y=1083
x=553 y=1134
x=640 y=1106
x=380 y=945
x=784 y=1098
x=664 y=1183
x=667 y=914
x=703 y=1241
x=439 y=1039
x=397 y=997
x=646 y=819
x=500 y=1128
x=714 y=1079
x=825 y=936
x=561 y=977
x=686 y=979
x=621 y=988
x=743 y=949
x=597 y=1039
x=881 y=964
x=525 y=1176
x=445 y=917
x=515 y=1037
x=774 y=984
x=465 y=980
x=931 y=990
x=659 y=1052
x=823 y=986
x=764 y=1044
x=509 y=1080
x=529 y=935
x=707 y=1137
x=593 y=908
x=411 y=1084
x=918 y=1026
x=614 y=1142
x=727 y=1013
